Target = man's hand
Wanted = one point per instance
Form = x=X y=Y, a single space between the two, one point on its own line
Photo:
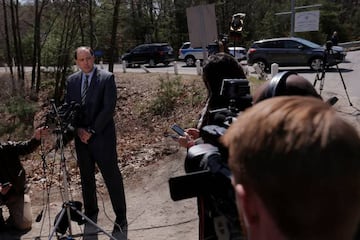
x=84 y=135
x=188 y=140
x=41 y=132
x=4 y=188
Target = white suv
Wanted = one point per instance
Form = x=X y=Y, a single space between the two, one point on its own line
x=189 y=55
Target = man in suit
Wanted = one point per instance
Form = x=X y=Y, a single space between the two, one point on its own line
x=95 y=142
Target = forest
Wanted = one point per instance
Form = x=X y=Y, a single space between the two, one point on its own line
x=39 y=33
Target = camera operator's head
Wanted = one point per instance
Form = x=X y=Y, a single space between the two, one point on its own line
x=296 y=170
x=220 y=66
x=285 y=84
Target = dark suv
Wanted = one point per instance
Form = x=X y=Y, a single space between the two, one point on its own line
x=293 y=52
x=151 y=54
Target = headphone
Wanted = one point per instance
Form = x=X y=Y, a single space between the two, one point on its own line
x=277 y=84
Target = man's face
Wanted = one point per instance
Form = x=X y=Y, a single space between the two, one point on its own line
x=84 y=60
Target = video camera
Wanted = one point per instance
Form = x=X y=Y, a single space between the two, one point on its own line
x=206 y=164
x=237 y=95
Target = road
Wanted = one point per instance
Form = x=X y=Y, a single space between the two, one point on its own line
x=350 y=71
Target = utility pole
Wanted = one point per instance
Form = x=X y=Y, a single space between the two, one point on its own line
x=292 y=18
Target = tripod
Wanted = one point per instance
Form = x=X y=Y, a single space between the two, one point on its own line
x=70 y=209
x=320 y=76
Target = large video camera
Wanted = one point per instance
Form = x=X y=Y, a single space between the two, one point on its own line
x=207 y=171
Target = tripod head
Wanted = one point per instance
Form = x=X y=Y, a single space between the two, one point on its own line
x=328 y=51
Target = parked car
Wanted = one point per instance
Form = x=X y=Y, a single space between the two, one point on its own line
x=238 y=52
x=293 y=51
x=151 y=54
x=189 y=55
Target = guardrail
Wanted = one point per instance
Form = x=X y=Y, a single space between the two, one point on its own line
x=350 y=46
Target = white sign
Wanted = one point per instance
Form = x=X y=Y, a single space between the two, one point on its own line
x=307 y=21
x=202 y=25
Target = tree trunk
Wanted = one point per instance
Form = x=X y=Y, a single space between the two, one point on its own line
x=20 y=50
x=8 y=49
x=15 y=42
x=91 y=24
x=35 y=45
x=114 y=48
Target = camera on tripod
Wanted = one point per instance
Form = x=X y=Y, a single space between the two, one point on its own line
x=329 y=56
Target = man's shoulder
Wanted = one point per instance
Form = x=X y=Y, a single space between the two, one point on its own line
x=74 y=75
x=104 y=72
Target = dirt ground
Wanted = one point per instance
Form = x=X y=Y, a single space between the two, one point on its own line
x=151 y=212
x=147 y=160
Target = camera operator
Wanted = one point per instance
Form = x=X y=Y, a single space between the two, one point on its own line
x=219 y=66
x=296 y=170
x=334 y=38
x=13 y=187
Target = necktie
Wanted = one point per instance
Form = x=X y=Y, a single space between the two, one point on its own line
x=85 y=89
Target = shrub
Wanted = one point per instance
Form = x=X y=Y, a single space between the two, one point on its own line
x=167 y=96
x=18 y=115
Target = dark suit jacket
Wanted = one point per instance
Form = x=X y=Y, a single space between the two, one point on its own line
x=11 y=169
x=98 y=110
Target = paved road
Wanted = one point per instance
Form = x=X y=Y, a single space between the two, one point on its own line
x=350 y=71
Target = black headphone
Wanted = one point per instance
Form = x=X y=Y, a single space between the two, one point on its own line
x=277 y=84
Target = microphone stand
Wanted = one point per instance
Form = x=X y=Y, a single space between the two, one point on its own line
x=68 y=207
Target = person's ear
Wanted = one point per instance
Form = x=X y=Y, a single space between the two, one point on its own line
x=247 y=205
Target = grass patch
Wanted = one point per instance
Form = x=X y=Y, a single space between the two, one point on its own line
x=17 y=116
x=169 y=91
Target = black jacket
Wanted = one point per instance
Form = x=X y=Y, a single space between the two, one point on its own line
x=11 y=169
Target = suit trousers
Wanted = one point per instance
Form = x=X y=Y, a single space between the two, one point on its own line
x=88 y=156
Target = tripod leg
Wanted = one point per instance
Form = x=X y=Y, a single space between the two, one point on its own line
x=92 y=222
x=322 y=84
x=61 y=215
x=342 y=80
x=316 y=79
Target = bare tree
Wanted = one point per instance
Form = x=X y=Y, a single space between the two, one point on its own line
x=66 y=42
x=8 y=48
x=91 y=24
x=36 y=57
x=19 y=59
x=113 y=42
